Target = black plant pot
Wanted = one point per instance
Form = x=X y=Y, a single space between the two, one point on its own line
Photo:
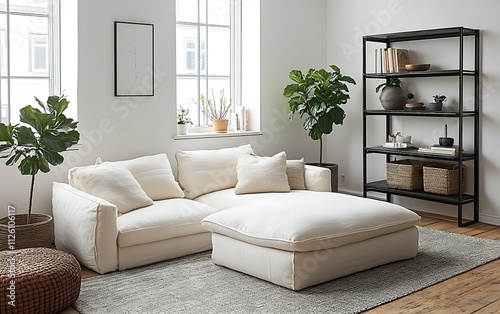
x=334 y=170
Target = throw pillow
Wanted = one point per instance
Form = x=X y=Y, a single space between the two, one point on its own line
x=262 y=174
x=295 y=171
x=205 y=171
x=114 y=185
x=154 y=175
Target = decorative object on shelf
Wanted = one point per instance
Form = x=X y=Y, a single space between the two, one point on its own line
x=417 y=67
x=182 y=121
x=319 y=95
x=36 y=142
x=413 y=104
x=403 y=138
x=405 y=174
x=446 y=141
x=437 y=105
x=392 y=96
x=217 y=113
x=441 y=178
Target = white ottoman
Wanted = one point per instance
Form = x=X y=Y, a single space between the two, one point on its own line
x=298 y=244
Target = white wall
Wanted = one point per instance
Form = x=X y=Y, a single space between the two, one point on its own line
x=348 y=21
x=293 y=37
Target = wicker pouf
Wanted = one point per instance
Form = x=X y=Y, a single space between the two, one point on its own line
x=38 y=280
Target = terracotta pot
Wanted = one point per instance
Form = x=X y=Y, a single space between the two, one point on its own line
x=220 y=126
x=39 y=233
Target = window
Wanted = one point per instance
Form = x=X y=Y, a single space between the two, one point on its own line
x=39 y=53
x=29 y=44
x=207 y=50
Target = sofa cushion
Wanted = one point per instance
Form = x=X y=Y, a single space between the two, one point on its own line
x=114 y=185
x=261 y=174
x=307 y=220
x=205 y=171
x=165 y=219
x=153 y=173
x=295 y=171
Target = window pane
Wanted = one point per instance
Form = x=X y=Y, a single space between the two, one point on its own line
x=22 y=28
x=29 y=6
x=219 y=51
x=219 y=12
x=187 y=50
x=23 y=92
x=3 y=44
x=4 y=95
x=187 y=11
x=187 y=94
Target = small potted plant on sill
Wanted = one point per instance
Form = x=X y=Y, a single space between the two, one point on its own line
x=217 y=112
x=36 y=142
x=437 y=105
x=182 y=121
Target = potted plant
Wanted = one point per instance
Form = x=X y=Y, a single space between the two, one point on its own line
x=182 y=121
x=35 y=143
x=318 y=95
x=437 y=105
x=217 y=112
x=392 y=96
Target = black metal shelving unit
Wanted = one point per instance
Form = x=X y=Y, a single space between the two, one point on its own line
x=460 y=199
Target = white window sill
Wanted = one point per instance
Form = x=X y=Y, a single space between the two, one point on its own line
x=194 y=135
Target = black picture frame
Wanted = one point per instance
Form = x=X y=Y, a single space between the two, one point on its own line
x=133 y=59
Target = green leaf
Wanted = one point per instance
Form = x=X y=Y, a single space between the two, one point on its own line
x=61 y=106
x=52 y=158
x=41 y=104
x=337 y=115
x=13 y=159
x=325 y=124
x=315 y=132
x=25 y=136
x=35 y=118
x=296 y=76
x=29 y=166
x=290 y=90
x=6 y=133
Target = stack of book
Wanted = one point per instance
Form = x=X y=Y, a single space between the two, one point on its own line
x=391 y=60
x=453 y=151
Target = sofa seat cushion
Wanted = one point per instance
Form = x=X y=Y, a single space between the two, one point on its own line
x=163 y=220
x=310 y=221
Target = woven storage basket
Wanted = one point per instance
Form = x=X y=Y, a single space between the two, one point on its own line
x=405 y=174
x=46 y=281
x=443 y=179
x=39 y=233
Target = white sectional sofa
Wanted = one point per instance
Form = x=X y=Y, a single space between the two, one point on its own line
x=266 y=216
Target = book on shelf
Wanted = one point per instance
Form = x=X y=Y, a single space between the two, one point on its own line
x=391 y=60
x=452 y=151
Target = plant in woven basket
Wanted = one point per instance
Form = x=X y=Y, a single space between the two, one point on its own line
x=39 y=139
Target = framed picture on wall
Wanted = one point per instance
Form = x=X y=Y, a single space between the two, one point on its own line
x=134 y=59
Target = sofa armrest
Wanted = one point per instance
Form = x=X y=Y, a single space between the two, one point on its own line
x=85 y=226
x=318 y=179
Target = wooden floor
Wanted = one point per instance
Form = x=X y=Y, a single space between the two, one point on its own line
x=476 y=291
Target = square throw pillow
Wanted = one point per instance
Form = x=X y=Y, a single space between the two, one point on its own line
x=295 y=171
x=115 y=185
x=262 y=174
x=205 y=171
x=154 y=175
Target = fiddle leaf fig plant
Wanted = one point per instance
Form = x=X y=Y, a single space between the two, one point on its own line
x=318 y=95
x=39 y=139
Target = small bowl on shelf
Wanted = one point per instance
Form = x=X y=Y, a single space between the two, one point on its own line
x=417 y=67
x=446 y=141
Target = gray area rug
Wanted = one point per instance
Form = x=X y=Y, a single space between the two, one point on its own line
x=193 y=284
